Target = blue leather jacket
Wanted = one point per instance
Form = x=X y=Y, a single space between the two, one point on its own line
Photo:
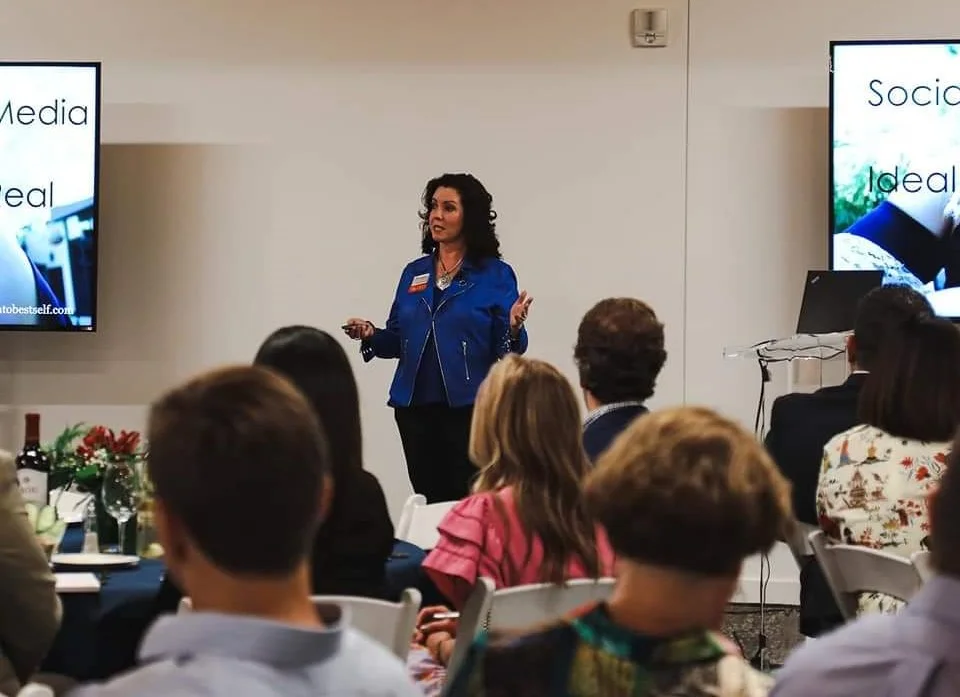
x=471 y=327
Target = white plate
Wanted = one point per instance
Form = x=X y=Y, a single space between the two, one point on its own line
x=93 y=559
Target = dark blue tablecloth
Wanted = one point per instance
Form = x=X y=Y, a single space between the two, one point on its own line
x=100 y=631
x=78 y=649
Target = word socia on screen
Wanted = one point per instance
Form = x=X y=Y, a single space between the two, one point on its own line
x=921 y=95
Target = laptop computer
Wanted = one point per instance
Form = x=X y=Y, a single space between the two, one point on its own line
x=830 y=300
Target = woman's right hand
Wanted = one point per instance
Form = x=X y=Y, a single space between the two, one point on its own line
x=427 y=625
x=359 y=329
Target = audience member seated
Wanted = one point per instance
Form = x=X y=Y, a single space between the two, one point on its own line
x=910 y=654
x=356 y=538
x=242 y=476
x=29 y=607
x=685 y=496
x=801 y=424
x=619 y=355
x=876 y=477
x=525 y=521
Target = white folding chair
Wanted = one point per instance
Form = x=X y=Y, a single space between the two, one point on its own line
x=798 y=540
x=921 y=562
x=36 y=690
x=520 y=607
x=852 y=569
x=391 y=624
x=419 y=521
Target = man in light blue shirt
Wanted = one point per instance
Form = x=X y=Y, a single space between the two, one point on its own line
x=913 y=654
x=241 y=474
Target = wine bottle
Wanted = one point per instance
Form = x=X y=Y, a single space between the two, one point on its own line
x=33 y=465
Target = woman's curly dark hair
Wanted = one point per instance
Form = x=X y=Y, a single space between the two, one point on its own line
x=479 y=226
x=620 y=350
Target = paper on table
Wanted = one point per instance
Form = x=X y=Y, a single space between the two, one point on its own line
x=77 y=582
x=70 y=505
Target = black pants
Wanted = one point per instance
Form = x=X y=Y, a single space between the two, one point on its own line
x=435 y=440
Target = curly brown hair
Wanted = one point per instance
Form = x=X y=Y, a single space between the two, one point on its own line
x=688 y=489
x=479 y=217
x=620 y=350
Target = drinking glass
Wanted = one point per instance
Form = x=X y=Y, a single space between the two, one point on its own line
x=121 y=494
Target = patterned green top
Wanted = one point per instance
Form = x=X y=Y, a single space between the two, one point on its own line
x=587 y=655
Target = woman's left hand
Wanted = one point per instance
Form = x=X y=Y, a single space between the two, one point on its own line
x=518 y=313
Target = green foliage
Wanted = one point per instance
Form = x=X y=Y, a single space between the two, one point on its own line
x=852 y=198
x=65 y=464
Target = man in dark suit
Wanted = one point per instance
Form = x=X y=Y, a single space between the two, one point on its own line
x=619 y=354
x=801 y=425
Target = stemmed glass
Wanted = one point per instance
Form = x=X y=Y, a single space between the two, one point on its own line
x=121 y=494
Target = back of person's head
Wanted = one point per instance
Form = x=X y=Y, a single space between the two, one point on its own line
x=945 y=517
x=880 y=313
x=525 y=435
x=913 y=391
x=239 y=462
x=689 y=490
x=317 y=364
x=620 y=350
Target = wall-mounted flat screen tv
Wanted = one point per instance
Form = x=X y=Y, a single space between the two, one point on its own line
x=49 y=182
x=895 y=163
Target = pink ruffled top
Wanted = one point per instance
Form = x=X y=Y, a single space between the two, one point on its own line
x=475 y=542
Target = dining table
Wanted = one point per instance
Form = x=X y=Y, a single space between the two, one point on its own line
x=101 y=629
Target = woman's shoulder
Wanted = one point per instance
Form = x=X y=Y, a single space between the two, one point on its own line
x=496 y=266
x=477 y=503
x=478 y=509
x=417 y=265
x=856 y=434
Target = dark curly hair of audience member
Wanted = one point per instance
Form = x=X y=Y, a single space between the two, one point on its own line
x=620 y=350
x=913 y=391
x=479 y=219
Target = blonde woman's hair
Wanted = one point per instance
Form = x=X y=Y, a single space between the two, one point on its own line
x=526 y=434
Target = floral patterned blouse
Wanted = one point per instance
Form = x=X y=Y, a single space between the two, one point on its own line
x=873 y=492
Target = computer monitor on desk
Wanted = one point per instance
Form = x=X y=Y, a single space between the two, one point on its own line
x=830 y=300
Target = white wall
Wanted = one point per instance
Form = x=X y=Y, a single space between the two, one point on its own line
x=263 y=162
x=265 y=167
x=758 y=183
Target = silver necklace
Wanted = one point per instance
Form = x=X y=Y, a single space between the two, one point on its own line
x=445 y=279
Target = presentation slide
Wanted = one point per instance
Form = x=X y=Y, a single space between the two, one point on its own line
x=49 y=138
x=895 y=124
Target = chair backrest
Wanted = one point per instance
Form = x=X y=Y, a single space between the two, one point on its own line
x=520 y=607
x=921 y=562
x=852 y=569
x=391 y=624
x=36 y=690
x=419 y=521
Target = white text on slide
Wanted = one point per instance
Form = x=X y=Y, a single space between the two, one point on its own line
x=46 y=309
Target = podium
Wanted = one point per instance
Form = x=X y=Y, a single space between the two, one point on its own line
x=799 y=347
x=775 y=576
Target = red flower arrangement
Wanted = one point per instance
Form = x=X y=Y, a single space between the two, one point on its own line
x=101 y=441
x=83 y=464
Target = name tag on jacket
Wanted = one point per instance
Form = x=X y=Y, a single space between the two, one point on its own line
x=419 y=283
